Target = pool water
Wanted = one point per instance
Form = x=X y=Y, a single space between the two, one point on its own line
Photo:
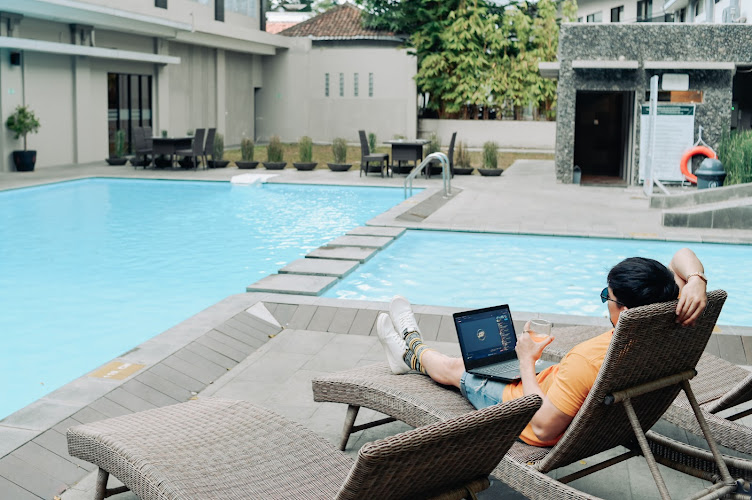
x=531 y=273
x=90 y=269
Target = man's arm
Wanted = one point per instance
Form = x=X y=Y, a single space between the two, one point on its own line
x=693 y=291
x=548 y=422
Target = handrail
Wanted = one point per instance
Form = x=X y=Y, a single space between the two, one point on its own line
x=446 y=174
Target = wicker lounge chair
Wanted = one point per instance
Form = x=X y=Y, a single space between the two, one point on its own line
x=649 y=361
x=216 y=448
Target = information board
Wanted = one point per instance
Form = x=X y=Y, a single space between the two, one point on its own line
x=674 y=135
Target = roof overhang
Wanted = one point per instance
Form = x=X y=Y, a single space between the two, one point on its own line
x=674 y=5
x=549 y=69
x=696 y=65
x=605 y=64
x=30 y=45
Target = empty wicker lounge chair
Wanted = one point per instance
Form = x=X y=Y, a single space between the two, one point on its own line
x=216 y=448
x=648 y=362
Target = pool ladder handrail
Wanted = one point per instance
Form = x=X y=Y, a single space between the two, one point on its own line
x=446 y=174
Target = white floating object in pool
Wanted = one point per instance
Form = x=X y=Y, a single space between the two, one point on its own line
x=251 y=178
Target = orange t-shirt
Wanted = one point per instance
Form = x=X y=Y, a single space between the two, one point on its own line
x=567 y=384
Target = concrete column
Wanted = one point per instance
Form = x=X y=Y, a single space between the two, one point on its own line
x=161 y=90
x=84 y=113
x=11 y=96
x=221 y=90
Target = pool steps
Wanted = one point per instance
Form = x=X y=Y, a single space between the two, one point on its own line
x=323 y=267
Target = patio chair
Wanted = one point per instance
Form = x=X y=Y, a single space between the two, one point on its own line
x=143 y=152
x=649 y=360
x=367 y=158
x=435 y=169
x=209 y=145
x=219 y=449
x=194 y=155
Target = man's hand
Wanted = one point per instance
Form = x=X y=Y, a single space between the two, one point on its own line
x=692 y=301
x=530 y=345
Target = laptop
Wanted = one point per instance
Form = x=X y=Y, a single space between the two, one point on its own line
x=487 y=340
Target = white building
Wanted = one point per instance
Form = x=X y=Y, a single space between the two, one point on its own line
x=678 y=11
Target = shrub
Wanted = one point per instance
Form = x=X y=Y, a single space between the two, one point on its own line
x=490 y=155
x=119 y=143
x=735 y=152
x=219 y=147
x=461 y=156
x=371 y=142
x=189 y=132
x=305 y=149
x=274 y=152
x=246 y=149
x=339 y=149
x=23 y=121
x=434 y=145
x=164 y=134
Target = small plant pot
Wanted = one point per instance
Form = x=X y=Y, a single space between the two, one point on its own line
x=246 y=164
x=25 y=160
x=490 y=172
x=187 y=163
x=339 y=167
x=402 y=169
x=140 y=162
x=162 y=163
x=116 y=160
x=275 y=165
x=218 y=163
x=463 y=170
x=305 y=166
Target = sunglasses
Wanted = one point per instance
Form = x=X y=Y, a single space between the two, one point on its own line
x=605 y=297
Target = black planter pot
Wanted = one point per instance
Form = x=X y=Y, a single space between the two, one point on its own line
x=25 y=160
x=246 y=164
x=116 y=160
x=305 y=166
x=163 y=163
x=275 y=165
x=463 y=170
x=218 y=163
x=339 y=167
x=490 y=172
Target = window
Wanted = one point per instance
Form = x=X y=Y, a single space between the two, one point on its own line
x=162 y=4
x=580 y=19
x=326 y=85
x=245 y=7
x=128 y=105
x=644 y=11
x=699 y=7
x=370 y=84
x=617 y=14
x=355 y=85
x=342 y=85
x=219 y=10
x=681 y=16
x=595 y=18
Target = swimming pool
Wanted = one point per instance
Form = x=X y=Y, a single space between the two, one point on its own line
x=89 y=269
x=531 y=273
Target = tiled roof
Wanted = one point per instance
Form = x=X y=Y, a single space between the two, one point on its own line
x=276 y=27
x=342 y=22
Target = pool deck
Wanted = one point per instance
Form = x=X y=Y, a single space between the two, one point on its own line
x=266 y=347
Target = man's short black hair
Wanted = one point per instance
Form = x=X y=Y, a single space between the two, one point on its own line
x=638 y=281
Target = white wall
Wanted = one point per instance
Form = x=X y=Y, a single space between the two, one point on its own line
x=540 y=135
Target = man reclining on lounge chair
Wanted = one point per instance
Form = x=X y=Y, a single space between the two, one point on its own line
x=634 y=282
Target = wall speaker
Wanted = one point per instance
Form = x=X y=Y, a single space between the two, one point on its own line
x=15 y=58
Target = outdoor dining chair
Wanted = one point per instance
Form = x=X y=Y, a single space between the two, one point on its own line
x=209 y=146
x=435 y=169
x=196 y=152
x=367 y=158
x=221 y=449
x=143 y=152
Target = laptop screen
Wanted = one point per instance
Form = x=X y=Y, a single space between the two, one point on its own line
x=485 y=332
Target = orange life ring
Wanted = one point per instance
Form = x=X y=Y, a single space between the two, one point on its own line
x=696 y=150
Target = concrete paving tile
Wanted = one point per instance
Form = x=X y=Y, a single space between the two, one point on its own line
x=342 y=353
x=257 y=323
x=361 y=241
x=211 y=355
x=259 y=312
x=393 y=232
x=271 y=307
x=242 y=333
x=57 y=443
x=63 y=426
x=301 y=341
x=246 y=390
x=129 y=400
x=284 y=312
x=429 y=326
x=177 y=377
x=229 y=341
x=322 y=318
x=40 y=415
x=374 y=355
x=152 y=351
x=162 y=385
x=363 y=322
x=87 y=415
x=342 y=320
x=13 y=491
x=712 y=346
x=13 y=437
x=50 y=463
x=82 y=390
x=109 y=407
x=36 y=481
x=273 y=367
x=301 y=318
x=298 y=284
x=202 y=374
x=320 y=267
x=342 y=253
x=447 y=331
x=731 y=348
x=222 y=349
x=199 y=361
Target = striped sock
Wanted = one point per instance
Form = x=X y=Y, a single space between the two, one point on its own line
x=415 y=350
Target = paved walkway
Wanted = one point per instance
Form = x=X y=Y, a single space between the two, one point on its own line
x=228 y=349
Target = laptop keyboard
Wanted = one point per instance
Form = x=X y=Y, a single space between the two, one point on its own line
x=501 y=369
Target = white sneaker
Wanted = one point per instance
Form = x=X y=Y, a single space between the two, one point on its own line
x=402 y=316
x=393 y=344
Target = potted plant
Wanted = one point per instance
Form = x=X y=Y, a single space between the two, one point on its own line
x=23 y=121
x=305 y=150
x=339 y=150
x=490 y=160
x=462 y=160
x=371 y=142
x=218 y=152
x=247 y=147
x=118 y=158
x=275 y=154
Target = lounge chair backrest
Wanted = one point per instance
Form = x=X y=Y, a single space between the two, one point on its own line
x=198 y=142
x=364 y=151
x=438 y=458
x=209 y=146
x=450 y=152
x=647 y=345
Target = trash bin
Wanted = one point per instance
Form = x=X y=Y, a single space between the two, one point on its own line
x=577 y=175
x=710 y=174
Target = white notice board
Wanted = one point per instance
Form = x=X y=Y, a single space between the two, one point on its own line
x=674 y=135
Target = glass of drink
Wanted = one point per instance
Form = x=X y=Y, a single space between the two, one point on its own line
x=540 y=327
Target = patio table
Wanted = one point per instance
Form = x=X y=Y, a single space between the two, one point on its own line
x=170 y=145
x=408 y=151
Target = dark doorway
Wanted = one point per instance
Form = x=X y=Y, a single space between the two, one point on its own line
x=601 y=123
x=741 y=105
x=128 y=105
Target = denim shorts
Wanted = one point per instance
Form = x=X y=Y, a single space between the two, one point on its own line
x=480 y=391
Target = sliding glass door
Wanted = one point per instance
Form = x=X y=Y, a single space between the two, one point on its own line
x=128 y=105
